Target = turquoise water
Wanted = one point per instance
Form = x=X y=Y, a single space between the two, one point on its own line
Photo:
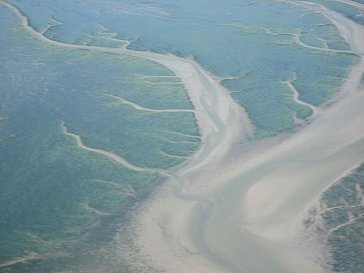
x=49 y=186
x=58 y=199
x=250 y=41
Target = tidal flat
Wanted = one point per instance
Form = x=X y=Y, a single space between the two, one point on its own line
x=177 y=137
x=67 y=169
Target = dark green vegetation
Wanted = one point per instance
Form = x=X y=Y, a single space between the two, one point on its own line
x=60 y=203
x=340 y=221
x=250 y=45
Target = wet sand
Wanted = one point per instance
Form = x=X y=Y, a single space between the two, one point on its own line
x=247 y=215
x=243 y=214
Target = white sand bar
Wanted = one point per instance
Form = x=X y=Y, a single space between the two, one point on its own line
x=220 y=215
x=246 y=216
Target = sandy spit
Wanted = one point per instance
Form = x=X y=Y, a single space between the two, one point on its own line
x=245 y=214
x=215 y=214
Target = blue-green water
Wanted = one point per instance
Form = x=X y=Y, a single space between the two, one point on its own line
x=247 y=40
x=49 y=185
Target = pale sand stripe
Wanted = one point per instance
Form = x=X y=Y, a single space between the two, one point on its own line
x=222 y=123
x=296 y=95
x=251 y=226
x=31 y=256
x=109 y=155
x=141 y=108
x=297 y=40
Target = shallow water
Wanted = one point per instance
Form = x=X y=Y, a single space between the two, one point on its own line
x=125 y=118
